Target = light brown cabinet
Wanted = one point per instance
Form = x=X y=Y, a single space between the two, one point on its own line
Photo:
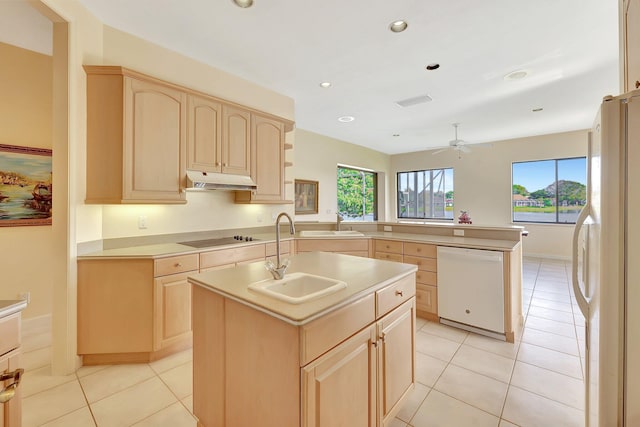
x=236 y=140
x=134 y=310
x=424 y=256
x=219 y=137
x=136 y=138
x=204 y=134
x=631 y=44
x=10 y=411
x=267 y=170
x=348 y=370
x=353 y=366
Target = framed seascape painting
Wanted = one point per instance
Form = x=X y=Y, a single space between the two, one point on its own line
x=306 y=197
x=26 y=190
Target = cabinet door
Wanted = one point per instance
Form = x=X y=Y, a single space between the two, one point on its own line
x=154 y=143
x=204 y=134
x=236 y=141
x=396 y=358
x=11 y=411
x=268 y=153
x=632 y=44
x=339 y=388
x=172 y=310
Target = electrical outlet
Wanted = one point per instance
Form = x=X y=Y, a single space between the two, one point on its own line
x=387 y=228
x=142 y=222
x=25 y=296
x=458 y=232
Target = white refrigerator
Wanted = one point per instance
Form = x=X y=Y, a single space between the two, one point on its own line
x=606 y=265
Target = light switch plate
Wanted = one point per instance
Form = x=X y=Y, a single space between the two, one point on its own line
x=387 y=228
x=458 y=232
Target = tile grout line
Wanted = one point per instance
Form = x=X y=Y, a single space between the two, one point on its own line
x=86 y=399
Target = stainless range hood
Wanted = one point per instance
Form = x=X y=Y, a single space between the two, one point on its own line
x=197 y=180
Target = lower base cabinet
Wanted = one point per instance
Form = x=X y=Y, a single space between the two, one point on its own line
x=352 y=367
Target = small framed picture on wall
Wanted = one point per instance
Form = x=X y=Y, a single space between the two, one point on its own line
x=306 y=197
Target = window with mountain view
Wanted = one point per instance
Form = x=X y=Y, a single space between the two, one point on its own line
x=426 y=194
x=549 y=191
x=357 y=194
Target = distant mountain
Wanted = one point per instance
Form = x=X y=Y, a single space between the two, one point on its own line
x=571 y=191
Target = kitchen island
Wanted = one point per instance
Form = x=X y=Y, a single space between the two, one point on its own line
x=342 y=359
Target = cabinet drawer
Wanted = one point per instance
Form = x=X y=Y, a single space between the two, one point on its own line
x=427 y=277
x=176 y=264
x=427 y=298
x=231 y=256
x=9 y=333
x=391 y=246
x=388 y=256
x=425 y=264
x=332 y=245
x=285 y=248
x=325 y=333
x=395 y=294
x=420 y=249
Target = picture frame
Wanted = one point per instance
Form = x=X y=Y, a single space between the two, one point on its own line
x=306 y=197
x=26 y=189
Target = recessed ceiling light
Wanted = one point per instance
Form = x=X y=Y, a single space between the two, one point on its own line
x=516 y=75
x=396 y=134
x=243 y=3
x=346 y=119
x=398 y=26
x=535 y=110
x=433 y=66
x=325 y=84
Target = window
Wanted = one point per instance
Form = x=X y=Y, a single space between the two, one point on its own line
x=549 y=191
x=426 y=194
x=357 y=194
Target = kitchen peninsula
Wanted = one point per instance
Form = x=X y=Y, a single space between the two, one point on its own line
x=344 y=357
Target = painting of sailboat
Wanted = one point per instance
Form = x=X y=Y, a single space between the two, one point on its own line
x=26 y=187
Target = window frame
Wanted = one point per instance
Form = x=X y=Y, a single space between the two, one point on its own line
x=375 y=190
x=557 y=211
x=425 y=218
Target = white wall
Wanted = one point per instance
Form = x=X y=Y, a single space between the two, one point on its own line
x=482 y=183
x=317 y=157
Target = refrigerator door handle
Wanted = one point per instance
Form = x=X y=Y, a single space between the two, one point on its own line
x=582 y=300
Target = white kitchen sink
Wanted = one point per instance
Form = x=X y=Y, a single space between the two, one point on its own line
x=296 y=288
x=329 y=233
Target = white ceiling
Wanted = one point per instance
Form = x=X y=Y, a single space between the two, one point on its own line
x=569 y=48
x=21 y=25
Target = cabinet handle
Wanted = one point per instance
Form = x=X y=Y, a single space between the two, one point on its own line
x=224 y=164
x=399 y=293
x=374 y=343
x=637 y=84
x=467 y=311
x=217 y=163
x=419 y=250
x=7 y=393
x=382 y=335
x=178 y=264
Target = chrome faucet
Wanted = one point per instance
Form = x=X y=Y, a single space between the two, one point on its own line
x=278 y=270
x=339 y=219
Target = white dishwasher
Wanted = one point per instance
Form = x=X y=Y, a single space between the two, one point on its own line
x=471 y=288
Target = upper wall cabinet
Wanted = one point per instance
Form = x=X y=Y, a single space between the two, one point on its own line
x=631 y=40
x=136 y=138
x=236 y=140
x=267 y=148
x=204 y=149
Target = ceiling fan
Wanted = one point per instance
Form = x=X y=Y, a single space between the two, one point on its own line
x=455 y=144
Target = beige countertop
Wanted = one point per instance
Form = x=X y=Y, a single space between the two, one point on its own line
x=362 y=276
x=8 y=307
x=172 y=249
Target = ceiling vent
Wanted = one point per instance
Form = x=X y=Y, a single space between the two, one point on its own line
x=414 y=101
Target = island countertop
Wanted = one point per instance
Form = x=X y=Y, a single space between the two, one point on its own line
x=362 y=276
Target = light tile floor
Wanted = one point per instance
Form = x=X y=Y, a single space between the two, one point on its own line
x=462 y=379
